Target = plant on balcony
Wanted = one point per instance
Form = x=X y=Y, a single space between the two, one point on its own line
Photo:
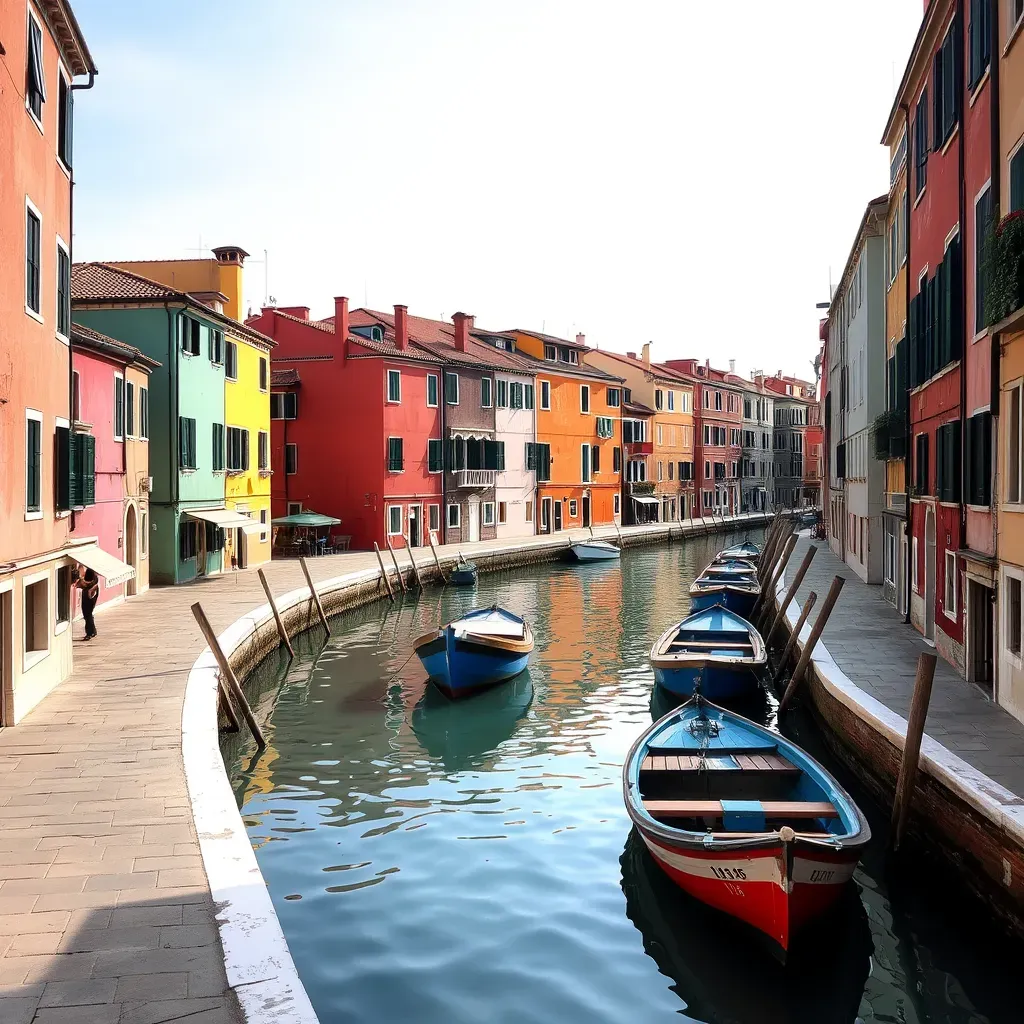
x=643 y=487
x=1003 y=266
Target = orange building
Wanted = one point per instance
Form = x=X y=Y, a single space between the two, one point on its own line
x=579 y=436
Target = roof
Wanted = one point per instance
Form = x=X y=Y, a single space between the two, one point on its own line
x=66 y=31
x=102 y=283
x=656 y=369
x=551 y=339
x=915 y=50
x=282 y=378
x=637 y=409
x=305 y=519
x=875 y=204
x=86 y=337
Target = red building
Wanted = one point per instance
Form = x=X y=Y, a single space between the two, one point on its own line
x=355 y=424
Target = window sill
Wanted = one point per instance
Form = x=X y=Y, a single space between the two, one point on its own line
x=230 y=380
x=33 y=658
x=949 y=141
x=35 y=120
x=32 y=313
x=920 y=196
x=1011 y=39
x=188 y=471
x=952 y=618
x=976 y=91
x=33 y=516
x=265 y=473
x=61 y=627
x=1012 y=506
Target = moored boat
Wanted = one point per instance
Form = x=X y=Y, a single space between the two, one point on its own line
x=483 y=648
x=738 y=593
x=594 y=551
x=714 y=650
x=731 y=568
x=464 y=574
x=747 y=550
x=742 y=818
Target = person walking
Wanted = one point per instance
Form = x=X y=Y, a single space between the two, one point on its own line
x=89 y=584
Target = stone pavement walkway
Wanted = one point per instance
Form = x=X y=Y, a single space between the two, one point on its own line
x=105 y=910
x=869 y=641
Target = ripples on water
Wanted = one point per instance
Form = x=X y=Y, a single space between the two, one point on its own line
x=465 y=863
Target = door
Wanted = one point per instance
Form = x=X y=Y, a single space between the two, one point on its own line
x=980 y=635
x=545 y=515
x=131 y=550
x=558 y=516
x=474 y=520
x=586 y=511
x=415 y=526
x=200 y=528
x=241 y=548
x=929 y=574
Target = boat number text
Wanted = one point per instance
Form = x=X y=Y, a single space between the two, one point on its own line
x=730 y=874
x=821 y=876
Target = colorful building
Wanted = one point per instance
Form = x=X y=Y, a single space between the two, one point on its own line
x=43 y=52
x=109 y=455
x=757 y=461
x=579 y=446
x=639 y=503
x=189 y=450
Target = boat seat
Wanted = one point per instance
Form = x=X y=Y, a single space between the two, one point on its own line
x=717 y=644
x=714 y=809
x=775 y=763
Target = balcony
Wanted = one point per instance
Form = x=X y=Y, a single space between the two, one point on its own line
x=635 y=448
x=641 y=486
x=475 y=477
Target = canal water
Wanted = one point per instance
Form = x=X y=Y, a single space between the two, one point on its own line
x=459 y=864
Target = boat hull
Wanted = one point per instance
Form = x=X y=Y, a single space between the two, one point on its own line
x=739 y=601
x=459 y=667
x=463 y=577
x=717 y=681
x=757 y=886
x=595 y=553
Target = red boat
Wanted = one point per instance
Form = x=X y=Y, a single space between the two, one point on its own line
x=743 y=819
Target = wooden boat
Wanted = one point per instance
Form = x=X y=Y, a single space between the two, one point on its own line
x=713 y=650
x=731 y=568
x=737 y=592
x=464 y=574
x=595 y=551
x=484 y=647
x=743 y=819
x=747 y=550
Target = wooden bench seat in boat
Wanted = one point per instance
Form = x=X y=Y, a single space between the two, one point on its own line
x=691 y=763
x=713 y=644
x=714 y=809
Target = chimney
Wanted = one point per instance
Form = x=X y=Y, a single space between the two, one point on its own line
x=707 y=364
x=732 y=365
x=341 y=324
x=581 y=339
x=463 y=325
x=402 y=327
x=646 y=353
x=631 y=355
x=301 y=312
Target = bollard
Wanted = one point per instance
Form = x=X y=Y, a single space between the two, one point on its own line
x=812 y=597
x=383 y=572
x=315 y=595
x=791 y=593
x=282 y=632
x=912 y=745
x=801 y=666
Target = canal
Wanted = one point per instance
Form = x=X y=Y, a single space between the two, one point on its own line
x=454 y=864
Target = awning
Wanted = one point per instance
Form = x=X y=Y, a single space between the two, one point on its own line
x=254 y=526
x=112 y=569
x=645 y=499
x=222 y=517
x=306 y=519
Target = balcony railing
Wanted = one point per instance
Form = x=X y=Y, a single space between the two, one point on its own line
x=475 y=477
x=634 y=448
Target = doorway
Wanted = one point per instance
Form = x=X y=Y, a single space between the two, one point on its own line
x=545 y=515
x=201 y=529
x=929 y=574
x=586 y=510
x=6 y=653
x=558 y=516
x=131 y=550
x=415 y=527
x=241 y=549
x=980 y=635
x=474 y=521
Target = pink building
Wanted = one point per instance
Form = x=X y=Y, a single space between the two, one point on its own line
x=109 y=455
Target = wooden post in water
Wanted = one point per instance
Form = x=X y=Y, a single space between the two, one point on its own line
x=437 y=561
x=228 y=674
x=790 y=594
x=314 y=595
x=767 y=560
x=282 y=632
x=766 y=596
x=415 y=567
x=383 y=572
x=912 y=745
x=819 y=624
x=224 y=704
x=812 y=597
x=394 y=558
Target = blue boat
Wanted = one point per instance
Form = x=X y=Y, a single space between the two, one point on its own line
x=731 y=567
x=747 y=550
x=483 y=648
x=738 y=593
x=714 y=650
x=464 y=574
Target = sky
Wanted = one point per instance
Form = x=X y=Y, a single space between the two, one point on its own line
x=681 y=173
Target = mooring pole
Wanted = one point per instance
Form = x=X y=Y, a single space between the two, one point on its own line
x=778 y=546
x=812 y=597
x=394 y=558
x=415 y=567
x=384 y=574
x=819 y=624
x=228 y=674
x=314 y=595
x=437 y=561
x=282 y=632
x=768 y=592
x=224 y=703
x=790 y=594
x=912 y=745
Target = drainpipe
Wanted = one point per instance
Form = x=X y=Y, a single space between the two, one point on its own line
x=907 y=507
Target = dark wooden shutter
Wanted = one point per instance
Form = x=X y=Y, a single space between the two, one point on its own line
x=500 y=455
x=1017 y=182
x=62 y=467
x=616 y=459
x=88 y=483
x=595 y=459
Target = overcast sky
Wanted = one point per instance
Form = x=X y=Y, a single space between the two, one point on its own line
x=673 y=172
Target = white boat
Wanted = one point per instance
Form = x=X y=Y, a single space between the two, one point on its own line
x=594 y=551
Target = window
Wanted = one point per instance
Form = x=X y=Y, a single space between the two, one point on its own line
x=33 y=461
x=216 y=347
x=584 y=398
x=573 y=508
x=264 y=534
x=1014 y=446
x=659 y=399
x=396 y=461
x=595 y=459
x=545 y=394
x=1012 y=625
x=118 y=407
x=616 y=459
x=944 y=82
x=661 y=471
x=671 y=401
x=529 y=511
x=33 y=258
x=979 y=40
x=921 y=144
x=144 y=534
x=983 y=213
x=63 y=291
x=231 y=362
x=284 y=406
x=435 y=456
x=451 y=388
x=550 y=353
x=949 y=603
x=453 y=517
x=35 y=85
x=63 y=596
x=718 y=401
x=488 y=513
x=129 y=409
x=1016 y=12
x=217 y=447
x=671 y=470
x=37 y=619
x=515 y=395
x=432 y=383
x=502 y=394
x=190 y=336
x=291 y=459
x=434 y=518
x=294 y=508
x=913 y=565
x=706 y=499
x=263 y=373
x=485 y=392
x=606 y=426
x=263 y=451
x=947 y=461
x=921 y=464
x=394 y=520
x=538 y=459
x=528 y=395
x=187 y=540
x=394 y=386
x=616 y=504
x=585 y=463
x=613 y=398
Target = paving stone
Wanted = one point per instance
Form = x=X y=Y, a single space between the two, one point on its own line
x=152 y=988
x=96 y=1014
x=200 y=1011
x=18 y=1010
x=34 y=944
x=124 y=917
x=87 y=940
x=28 y=924
x=83 y=992
x=128 y=880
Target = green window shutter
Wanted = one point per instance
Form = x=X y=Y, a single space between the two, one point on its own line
x=531 y=455
x=63 y=445
x=245 y=449
x=432 y=390
x=395 y=460
x=616 y=459
x=595 y=459
x=501 y=455
x=1017 y=182
x=434 y=457
x=451 y=388
x=74 y=483
x=955 y=456
x=544 y=462
x=529 y=396
x=490 y=458
x=451 y=455
x=88 y=469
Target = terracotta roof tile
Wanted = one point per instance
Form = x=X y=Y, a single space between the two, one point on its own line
x=282 y=378
x=637 y=408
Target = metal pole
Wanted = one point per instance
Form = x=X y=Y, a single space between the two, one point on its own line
x=812 y=597
x=315 y=595
x=912 y=746
x=801 y=666
x=229 y=675
x=765 y=597
x=394 y=558
x=437 y=561
x=791 y=593
x=282 y=632
x=415 y=567
x=383 y=572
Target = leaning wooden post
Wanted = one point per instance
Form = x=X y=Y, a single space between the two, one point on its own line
x=415 y=567
x=819 y=624
x=394 y=558
x=229 y=675
x=791 y=593
x=282 y=632
x=766 y=562
x=767 y=592
x=315 y=596
x=778 y=548
x=384 y=574
x=812 y=598
x=912 y=745
x=224 y=702
x=437 y=561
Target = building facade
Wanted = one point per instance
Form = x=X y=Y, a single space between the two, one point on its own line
x=43 y=53
x=757 y=468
